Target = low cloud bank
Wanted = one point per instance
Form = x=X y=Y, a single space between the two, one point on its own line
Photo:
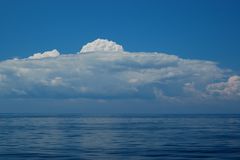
x=112 y=73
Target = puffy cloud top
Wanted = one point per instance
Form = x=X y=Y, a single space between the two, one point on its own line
x=101 y=45
x=47 y=54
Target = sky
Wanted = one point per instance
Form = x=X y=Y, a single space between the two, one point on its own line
x=189 y=60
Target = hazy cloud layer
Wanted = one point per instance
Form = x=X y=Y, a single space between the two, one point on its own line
x=110 y=73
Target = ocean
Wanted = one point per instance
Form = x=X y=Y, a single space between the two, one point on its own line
x=164 y=137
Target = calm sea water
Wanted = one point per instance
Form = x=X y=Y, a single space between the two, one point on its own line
x=119 y=137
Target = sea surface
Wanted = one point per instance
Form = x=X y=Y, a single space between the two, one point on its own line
x=63 y=137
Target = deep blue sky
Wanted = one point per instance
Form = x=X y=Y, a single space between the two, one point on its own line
x=206 y=29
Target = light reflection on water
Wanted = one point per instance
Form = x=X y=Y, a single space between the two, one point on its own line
x=120 y=137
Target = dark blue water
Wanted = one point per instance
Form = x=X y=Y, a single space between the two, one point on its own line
x=119 y=137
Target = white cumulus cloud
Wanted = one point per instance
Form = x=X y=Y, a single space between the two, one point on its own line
x=111 y=73
x=101 y=45
x=228 y=89
x=47 y=54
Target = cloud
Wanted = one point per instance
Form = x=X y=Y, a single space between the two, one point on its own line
x=47 y=54
x=101 y=45
x=110 y=73
x=229 y=89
